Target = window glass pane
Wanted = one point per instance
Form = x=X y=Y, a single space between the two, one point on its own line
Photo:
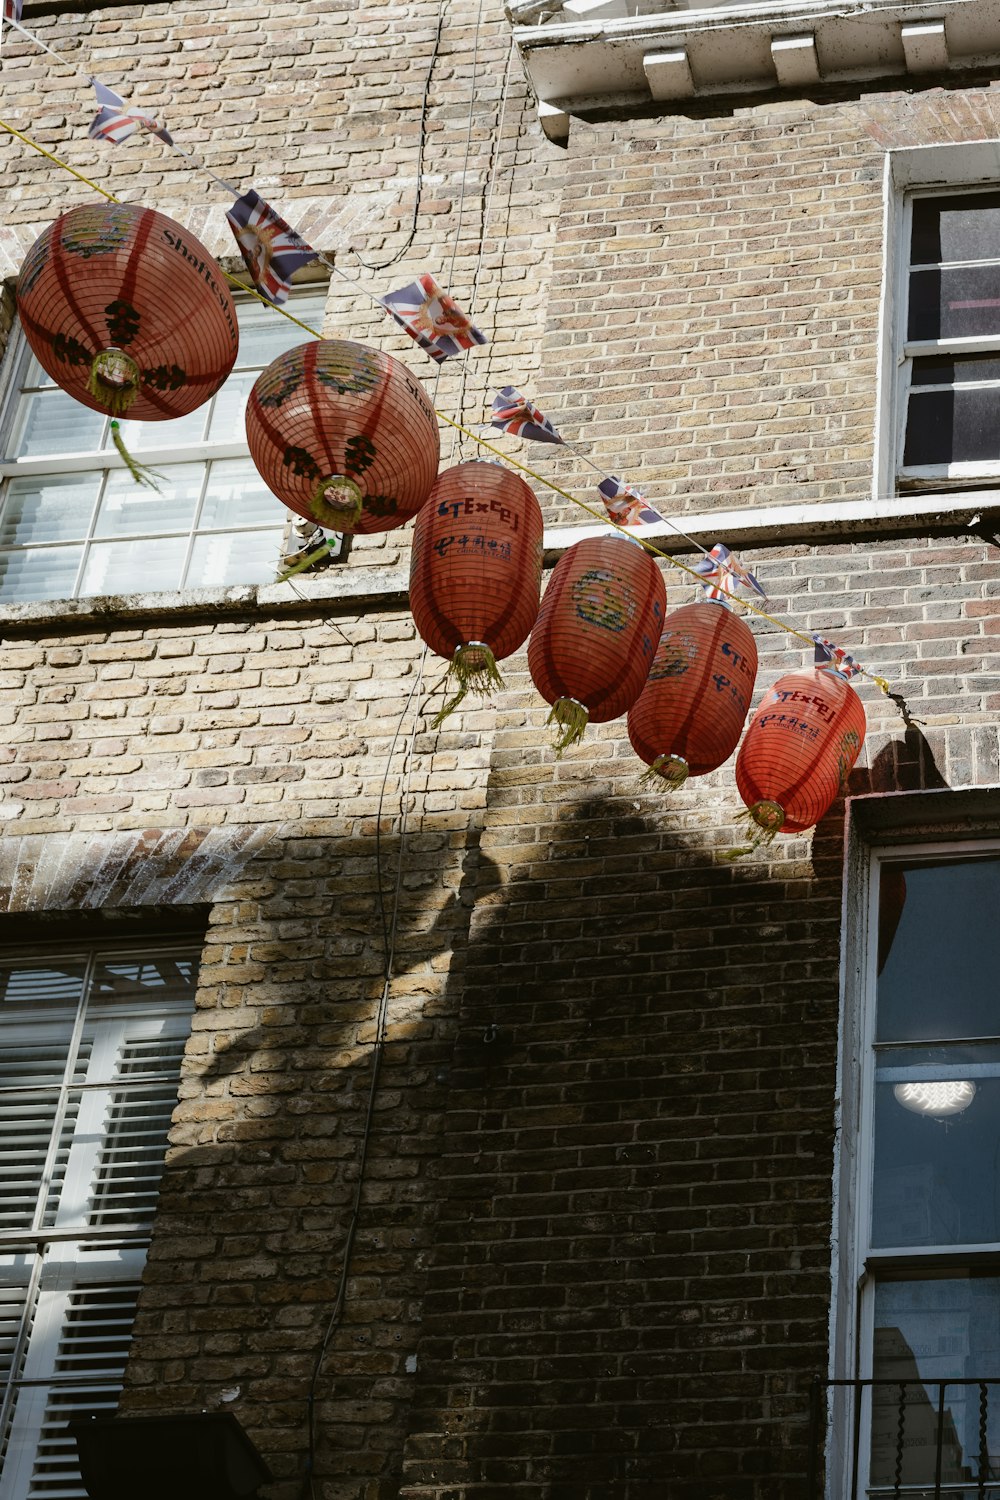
x=237 y=496
x=134 y=567
x=961 y=226
x=960 y=370
x=128 y=509
x=31 y=988
x=264 y=334
x=54 y=508
x=245 y=557
x=228 y=423
x=927 y=1331
x=937 y=1141
x=960 y=425
x=954 y=303
x=936 y=922
x=142 y=982
x=178 y=432
x=52 y=422
x=42 y=573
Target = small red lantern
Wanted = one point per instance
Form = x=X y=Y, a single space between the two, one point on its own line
x=799 y=750
x=476 y=571
x=127 y=312
x=344 y=436
x=690 y=714
x=593 y=643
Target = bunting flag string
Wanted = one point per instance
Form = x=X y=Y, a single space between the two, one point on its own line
x=271 y=249
x=835 y=658
x=723 y=575
x=624 y=504
x=432 y=318
x=443 y=315
x=515 y=414
x=115 y=121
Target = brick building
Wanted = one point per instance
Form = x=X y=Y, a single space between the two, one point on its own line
x=526 y=1146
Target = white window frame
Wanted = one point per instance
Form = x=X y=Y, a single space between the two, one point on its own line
x=855 y=1263
x=922 y=171
x=72 y=1255
x=106 y=460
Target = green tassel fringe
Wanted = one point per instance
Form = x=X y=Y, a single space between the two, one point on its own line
x=139 y=472
x=337 y=518
x=768 y=818
x=666 y=773
x=474 y=670
x=573 y=718
x=303 y=563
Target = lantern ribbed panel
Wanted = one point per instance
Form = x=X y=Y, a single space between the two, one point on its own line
x=335 y=409
x=698 y=692
x=598 y=626
x=476 y=560
x=114 y=276
x=801 y=745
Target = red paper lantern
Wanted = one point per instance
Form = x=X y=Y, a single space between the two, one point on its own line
x=344 y=436
x=799 y=750
x=596 y=633
x=689 y=716
x=476 y=571
x=127 y=312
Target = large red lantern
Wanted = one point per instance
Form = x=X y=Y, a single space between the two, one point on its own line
x=689 y=716
x=476 y=571
x=596 y=633
x=799 y=750
x=344 y=436
x=127 y=312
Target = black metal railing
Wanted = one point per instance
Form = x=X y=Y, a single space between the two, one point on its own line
x=905 y=1439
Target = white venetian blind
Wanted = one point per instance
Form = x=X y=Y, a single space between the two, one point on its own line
x=90 y=1052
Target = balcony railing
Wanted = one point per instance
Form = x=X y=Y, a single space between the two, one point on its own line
x=886 y=1439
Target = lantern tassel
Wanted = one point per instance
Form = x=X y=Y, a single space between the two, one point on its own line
x=573 y=717
x=666 y=773
x=769 y=818
x=474 y=670
x=113 y=381
x=138 y=471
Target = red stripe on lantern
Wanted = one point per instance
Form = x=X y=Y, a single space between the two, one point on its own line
x=127 y=312
x=799 y=750
x=690 y=714
x=597 y=631
x=343 y=435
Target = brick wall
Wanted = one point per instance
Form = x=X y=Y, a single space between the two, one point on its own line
x=593 y=1251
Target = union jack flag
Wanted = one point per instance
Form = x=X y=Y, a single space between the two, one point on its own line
x=271 y=248
x=116 y=121
x=834 y=659
x=433 y=319
x=515 y=414
x=625 y=505
x=723 y=574
x=12 y=9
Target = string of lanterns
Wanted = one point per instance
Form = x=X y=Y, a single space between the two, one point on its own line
x=127 y=311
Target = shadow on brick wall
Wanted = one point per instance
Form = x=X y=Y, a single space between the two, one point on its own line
x=628 y=1292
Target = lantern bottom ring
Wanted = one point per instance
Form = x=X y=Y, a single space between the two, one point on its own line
x=337 y=503
x=668 y=772
x=114 y=380
x=770 y=816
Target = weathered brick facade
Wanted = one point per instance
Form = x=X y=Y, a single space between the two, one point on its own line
x=593 y=1256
